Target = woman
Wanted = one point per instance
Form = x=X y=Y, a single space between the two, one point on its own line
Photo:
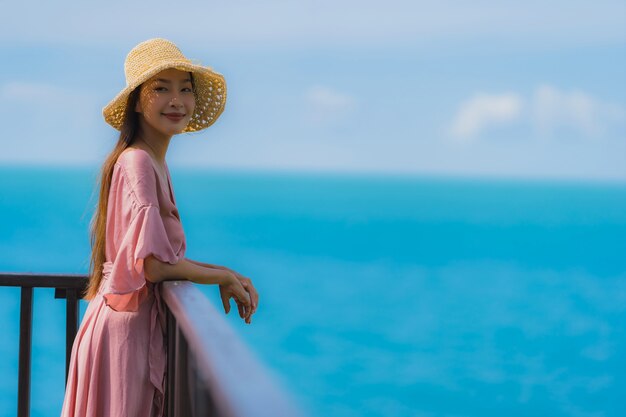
x=117 y=367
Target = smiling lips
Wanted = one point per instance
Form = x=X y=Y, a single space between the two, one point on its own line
x=175 y=117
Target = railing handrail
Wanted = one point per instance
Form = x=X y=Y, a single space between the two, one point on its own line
x=244 y=387
x=39 y=280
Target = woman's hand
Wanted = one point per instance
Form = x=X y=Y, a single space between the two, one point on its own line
x=236 y=286
x=247 y=285
x=227 y=288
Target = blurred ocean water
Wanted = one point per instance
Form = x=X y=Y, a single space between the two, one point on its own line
x=380 y=296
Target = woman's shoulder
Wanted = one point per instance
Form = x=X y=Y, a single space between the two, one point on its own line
x=136 y=162
x=136 y=166
x=135 y=157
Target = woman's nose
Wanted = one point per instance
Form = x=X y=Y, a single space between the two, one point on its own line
x=174 y=102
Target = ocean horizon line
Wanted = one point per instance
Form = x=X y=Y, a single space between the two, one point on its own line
x=352 y=174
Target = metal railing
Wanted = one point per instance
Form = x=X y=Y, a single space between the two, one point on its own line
x=212 y=372
x=209 y=369
x=65 y=286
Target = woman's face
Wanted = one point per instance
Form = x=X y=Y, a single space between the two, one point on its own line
x=166 y=102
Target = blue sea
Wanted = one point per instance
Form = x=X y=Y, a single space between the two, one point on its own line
x=380 y=295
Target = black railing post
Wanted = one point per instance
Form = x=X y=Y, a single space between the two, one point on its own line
x=170 y=386
x=71 y=326
x=26 y=326
x=182 y=395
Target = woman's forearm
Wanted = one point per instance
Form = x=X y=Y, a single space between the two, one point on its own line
x=157 y=271
x=223 y=268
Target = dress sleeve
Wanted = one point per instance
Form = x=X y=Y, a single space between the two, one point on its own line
x=140 y=232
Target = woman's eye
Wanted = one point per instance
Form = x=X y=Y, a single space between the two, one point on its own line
x=160 y=89
x=187 y=90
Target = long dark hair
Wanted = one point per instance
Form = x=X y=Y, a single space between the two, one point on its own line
x=128 y=133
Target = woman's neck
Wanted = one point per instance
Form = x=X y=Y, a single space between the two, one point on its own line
x=154 y=143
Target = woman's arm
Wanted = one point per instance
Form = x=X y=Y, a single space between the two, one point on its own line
x=244 y=281
x=157 y=271
x=230 y=285
x=223 y=268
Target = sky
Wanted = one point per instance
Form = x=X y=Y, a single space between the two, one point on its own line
x=502 y=89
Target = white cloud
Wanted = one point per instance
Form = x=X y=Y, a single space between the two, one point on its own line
x=326 y=105
x=483 y=111
x=550 y=112
x=572 y=112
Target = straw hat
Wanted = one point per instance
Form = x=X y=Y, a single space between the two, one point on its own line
x=155 y=55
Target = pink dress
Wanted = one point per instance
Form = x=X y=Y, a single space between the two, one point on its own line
x=117 y=367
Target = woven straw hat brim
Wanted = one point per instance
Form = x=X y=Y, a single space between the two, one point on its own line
x=209 y=89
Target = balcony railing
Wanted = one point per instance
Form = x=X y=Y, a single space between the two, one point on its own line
x=66 y=286
x=210 y=371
